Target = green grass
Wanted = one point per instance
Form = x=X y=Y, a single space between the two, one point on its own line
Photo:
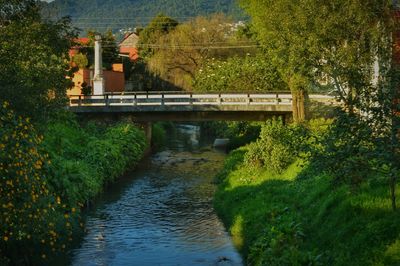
x=300 y=217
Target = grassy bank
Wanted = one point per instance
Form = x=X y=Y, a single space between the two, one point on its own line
x=300 y=216
x=86 y=158
x=48 y=172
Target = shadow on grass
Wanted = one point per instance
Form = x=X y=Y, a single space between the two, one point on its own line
x=335 y=225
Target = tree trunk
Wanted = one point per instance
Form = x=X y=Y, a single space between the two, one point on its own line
x=301 y=106
x=298 y=106
x=294 y=107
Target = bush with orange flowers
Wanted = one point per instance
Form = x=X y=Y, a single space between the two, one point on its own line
x=33 y=220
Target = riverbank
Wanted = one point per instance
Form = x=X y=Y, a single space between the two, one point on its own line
x=85 y=158
x=300 y=216
x=49 y=172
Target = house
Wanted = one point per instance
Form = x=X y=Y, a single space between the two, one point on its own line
x=114 y=79
x=128 y=46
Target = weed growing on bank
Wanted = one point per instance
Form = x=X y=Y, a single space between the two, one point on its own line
x=292 y=212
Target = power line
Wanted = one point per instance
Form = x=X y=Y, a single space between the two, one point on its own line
x=172 y=47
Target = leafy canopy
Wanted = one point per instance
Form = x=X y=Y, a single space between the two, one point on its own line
x=33 y=59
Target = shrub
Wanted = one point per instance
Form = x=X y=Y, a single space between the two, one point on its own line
x=276 y=147
x=84 y=159
x=33 y=219
x=279 y=145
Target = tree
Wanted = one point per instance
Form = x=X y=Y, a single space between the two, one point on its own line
x=33 y=59
x=80 y=60
x=149 y=36
x=12 y=10
x=250 y=74
x=350 y=44
x=309 y=39
x=281 y=28
x=183 y=51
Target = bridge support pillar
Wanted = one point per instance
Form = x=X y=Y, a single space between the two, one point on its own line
x=148 y=131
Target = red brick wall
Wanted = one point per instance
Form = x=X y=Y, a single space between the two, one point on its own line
x=114 y=81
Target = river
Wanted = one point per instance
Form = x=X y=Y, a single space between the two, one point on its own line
x=161 y=213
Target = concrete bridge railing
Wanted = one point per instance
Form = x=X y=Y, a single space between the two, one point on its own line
x=176 y=99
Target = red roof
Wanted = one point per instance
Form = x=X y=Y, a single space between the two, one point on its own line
x=83 y=40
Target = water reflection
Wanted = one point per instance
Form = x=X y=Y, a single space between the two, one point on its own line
x=163 y=215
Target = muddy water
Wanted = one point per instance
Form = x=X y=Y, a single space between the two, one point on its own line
x=161 y=214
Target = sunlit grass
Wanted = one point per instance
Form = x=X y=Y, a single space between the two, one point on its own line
x=343 y=225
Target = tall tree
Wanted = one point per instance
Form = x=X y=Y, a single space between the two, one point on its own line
x=184 y=50
x=149 y=36
x=280 y=27
x=311 y=38
x=350 y=44
x=33 y=58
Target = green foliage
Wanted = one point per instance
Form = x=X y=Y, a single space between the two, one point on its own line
x=250 y=74
x=80 y=60
x=34 y=221
x=84 y=161
x=347 y=151
x=298 y=38
x=281 y=219
x=159 y=136
x=33 y=61
x=45 y=180
x=159 y=26
x=277 y=147
x=239 y=133
x=189 y=45
x=86 y=89
x=281 y=242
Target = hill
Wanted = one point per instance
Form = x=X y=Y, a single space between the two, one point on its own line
x=110 y=14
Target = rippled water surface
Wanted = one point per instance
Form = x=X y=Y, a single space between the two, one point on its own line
x=161 y=214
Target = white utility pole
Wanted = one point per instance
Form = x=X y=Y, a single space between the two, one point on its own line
x=98 y=81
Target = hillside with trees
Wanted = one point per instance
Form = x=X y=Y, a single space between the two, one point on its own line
x=106 y=14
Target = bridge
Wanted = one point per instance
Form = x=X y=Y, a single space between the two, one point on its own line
x=185 y=106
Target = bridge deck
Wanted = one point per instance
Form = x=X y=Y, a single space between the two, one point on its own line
x=191 y=106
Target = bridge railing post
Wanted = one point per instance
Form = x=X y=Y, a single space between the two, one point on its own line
x=248 y=99
x=106 y=99
x=162 y=98
x=134 y=99
x=191 y=99
x=277 y=98
x=80 y=100
x=219 y=101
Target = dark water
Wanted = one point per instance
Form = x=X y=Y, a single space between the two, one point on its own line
x=161 y=214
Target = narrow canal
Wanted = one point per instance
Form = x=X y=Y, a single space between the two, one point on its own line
x=161 y=213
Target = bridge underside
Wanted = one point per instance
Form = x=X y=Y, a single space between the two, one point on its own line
x=184 y=113
x=187 y=116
